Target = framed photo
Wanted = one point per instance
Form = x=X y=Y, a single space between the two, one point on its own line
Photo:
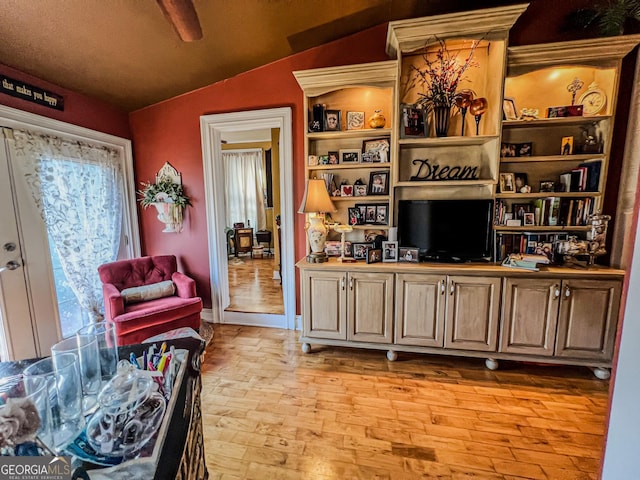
x=509 y=109
x=519 y=209
x=349 y=155
x=355 y=120
x=408 y=255
x=414 y=121
x=348 y=250
x=363 y=212
x=520 y=180
x=389 y=251
x=370 y=215
x=507 y=183
x=547 y=186
x=370 y=157
x=372 y=235
x=374 y=255
x=333 y=158
x=567 y=146
x=524 y=149
x=508 y=149
x=359 y=190
x=332 y=120
x=313 y=160
x=379 y=146
x=379 y=183
x=346 y=190
x=360 y=250
x=354 y=216
x=382 y=217
x=529 y=219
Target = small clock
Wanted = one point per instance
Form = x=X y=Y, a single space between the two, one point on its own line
x=593 y=100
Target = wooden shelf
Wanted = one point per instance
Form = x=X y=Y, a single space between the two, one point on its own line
x=447 y=141
x=547 y=194
x=365 y=198
x=549 y=122
x=445 y=183
x=370 y=226
x=542 y=228
x=350 y=166
x=554 y=158
x=364 y=133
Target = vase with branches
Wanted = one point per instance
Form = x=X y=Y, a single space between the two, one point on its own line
x=169 y=200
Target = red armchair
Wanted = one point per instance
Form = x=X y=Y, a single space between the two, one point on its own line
x=136 y=321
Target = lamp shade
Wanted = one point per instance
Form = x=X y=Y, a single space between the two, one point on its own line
x=316 y=198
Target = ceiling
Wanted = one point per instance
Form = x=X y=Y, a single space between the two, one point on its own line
x=125 y=52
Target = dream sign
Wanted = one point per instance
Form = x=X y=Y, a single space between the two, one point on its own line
x=426 y=171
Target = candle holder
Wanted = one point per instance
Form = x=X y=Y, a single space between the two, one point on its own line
x=463 y=102
x=478 y=108
x=342 y=230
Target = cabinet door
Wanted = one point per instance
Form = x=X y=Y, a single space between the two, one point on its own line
x=588 y=318
x=370 y=307
x=420 y=302
x=324 y=304
x=472 y=313
x=530 y=309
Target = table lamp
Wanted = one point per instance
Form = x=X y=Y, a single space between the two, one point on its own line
x=315 y=203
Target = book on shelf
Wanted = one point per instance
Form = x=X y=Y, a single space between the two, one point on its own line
x=527 y=243
x=593 y=175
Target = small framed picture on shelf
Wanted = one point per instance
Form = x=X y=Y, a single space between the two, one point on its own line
x=382 y=217
x=355 y=120
x=374 y=255
x=354 y=216
x=567 y=146
x=509 y=110
x=389 y=251
x=524 y=149
x=378 y=147
x=359 y=190
x=508 y=150
x=360 y=250
x=346 y=190
x=370 y=216
x=332 y=121
x=369 y=157
x=529 y=219
x=520 y=181
x=323 y=159
x=519 y=209
x=348 y=155
x=547 y=186
x=507 y=183
x=313 y=160
x=379 y=183
x=408 y=255
x=333 y=158
x=414 y=121
x=363 y=212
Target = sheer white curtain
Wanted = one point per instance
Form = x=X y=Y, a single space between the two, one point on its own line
x=244 y=188
x=78 y=190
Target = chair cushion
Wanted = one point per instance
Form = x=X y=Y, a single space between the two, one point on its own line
x=144 y=293
x=138 y=271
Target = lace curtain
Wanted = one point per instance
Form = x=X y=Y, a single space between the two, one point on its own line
x=78 y=190
x=244 y=188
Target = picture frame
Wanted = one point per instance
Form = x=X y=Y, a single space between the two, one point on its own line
x=566 y=147
x=379 y=183
x=369 y=157
x=346 y=190
x=349 y=155
x=360 y=190
x=414 y=123
x=313 y=160
x=355 y=120
x=508 y=149
x=519 y=209
x=360 y=249
x=408 y=255
x=547 y=186
x=509 y=110
x=373 y=234
x=382 y=214
x=334 y=159
x=507 y=183
x=379 y=146
x=524 y=149
x=389 y=252
x=354 y=216
x=332 y=120
x=529 y=219
x=363 y=212
x=520 y=181
x=374 y=255
x=370 y=214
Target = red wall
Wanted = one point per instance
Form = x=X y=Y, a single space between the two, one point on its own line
x=170 y=131
x=78 y=109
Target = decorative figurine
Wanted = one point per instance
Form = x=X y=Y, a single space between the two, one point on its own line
x=573 y=88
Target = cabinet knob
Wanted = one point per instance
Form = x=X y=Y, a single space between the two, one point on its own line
x=441 y=284
x=342 y=283
x=351 y=284
x=452 y=287
x=556 y=292
x=567 y=291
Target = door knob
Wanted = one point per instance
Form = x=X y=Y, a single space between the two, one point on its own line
x=10 y=265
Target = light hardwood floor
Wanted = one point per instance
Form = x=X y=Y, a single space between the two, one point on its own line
x=272 y=412
x=252 y=288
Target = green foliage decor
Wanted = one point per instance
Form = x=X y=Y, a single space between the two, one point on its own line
x=163 y=191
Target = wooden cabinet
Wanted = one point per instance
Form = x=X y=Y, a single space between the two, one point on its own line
x=243 y=240
x=420 y=309
x=352 y=306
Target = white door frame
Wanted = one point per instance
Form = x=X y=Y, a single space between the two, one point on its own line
x=212 y=128
x=39 y=304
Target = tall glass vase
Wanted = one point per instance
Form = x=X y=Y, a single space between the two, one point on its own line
x=441 y=115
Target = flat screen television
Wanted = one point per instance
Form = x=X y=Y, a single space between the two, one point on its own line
x=446 y=230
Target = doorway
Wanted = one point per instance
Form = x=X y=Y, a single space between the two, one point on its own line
x=213 y=128
x=30 y=282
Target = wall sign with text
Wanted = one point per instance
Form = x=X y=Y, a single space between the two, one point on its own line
x=434 y=171
x=28 y=92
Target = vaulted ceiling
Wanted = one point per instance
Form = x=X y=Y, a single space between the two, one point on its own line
x=126 y=52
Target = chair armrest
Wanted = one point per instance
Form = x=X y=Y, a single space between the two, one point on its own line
x=185 y=286
x=113 y=301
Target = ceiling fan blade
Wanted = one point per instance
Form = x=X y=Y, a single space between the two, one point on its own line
x=183 y=17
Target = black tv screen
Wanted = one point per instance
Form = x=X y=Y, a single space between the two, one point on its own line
x=446 y=230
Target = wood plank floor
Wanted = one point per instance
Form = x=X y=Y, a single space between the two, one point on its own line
x=272 y=412
x=252 y=288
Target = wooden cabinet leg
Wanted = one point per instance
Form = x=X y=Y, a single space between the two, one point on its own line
x=602 y=373
x=392 y=356
x=306 y=348
x=491 y=364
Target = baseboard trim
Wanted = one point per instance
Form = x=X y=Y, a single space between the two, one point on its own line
x=207 y=315
x=255 y=319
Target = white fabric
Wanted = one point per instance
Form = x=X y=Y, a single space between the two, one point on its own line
x=244 y=188
x=77 y=188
